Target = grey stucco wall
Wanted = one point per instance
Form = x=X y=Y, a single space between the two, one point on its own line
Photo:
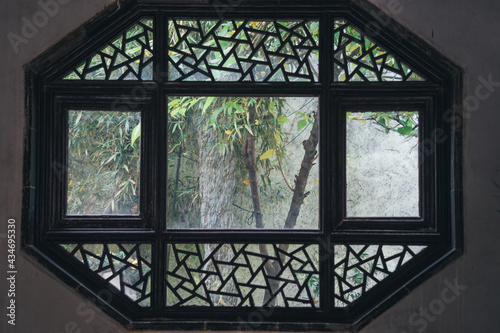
x=464 y=30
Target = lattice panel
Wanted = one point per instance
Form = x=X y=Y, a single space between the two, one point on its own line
x=358 y=268
x=243 y=50
x=126 y=266
x=359 y=58
x=242 y=275
x=128 y=57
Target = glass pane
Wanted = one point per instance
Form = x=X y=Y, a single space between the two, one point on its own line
x=359 y=268
x=129 y=56
x=249 y=275
x=243 y=50
x=233 y=162
x=382 y=164
x=103 y=162
x=359 y=58
x=125 y=266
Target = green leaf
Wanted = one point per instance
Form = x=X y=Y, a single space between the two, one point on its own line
x=407 y=130
x=248 y=129
x=207 y=103
x=136 y=133
x=381 y=121
x=173 y=111
x=367 y=44
x=174 y=102
x=237 y=129
x=301 y=124
x=213 y=119
x=282 y=120
x=268 y=154
x=78 y=118
x=277 y=136
x=231 y=105
x=271 y=108
x=111 y=158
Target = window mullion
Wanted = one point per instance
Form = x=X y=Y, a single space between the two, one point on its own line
x=159 y=150
x=327 y=152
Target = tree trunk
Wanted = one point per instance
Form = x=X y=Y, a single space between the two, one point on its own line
x=217 y=182
x=217 y=187
x=299 y=194
x=250 y=161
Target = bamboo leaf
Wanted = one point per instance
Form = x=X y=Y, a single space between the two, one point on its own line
x=78 y=118
x=213 y=119
x=136 y=133
x=271 y=108
x=282 y=120
x=268 y=154
x=111 y=158
x=405 y=130
x=301 y=124
x=249 y=129
x=237 y=129
x=207 y=103
x=277 y=136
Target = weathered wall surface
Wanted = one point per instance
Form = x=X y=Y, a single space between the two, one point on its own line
x=464 y=30
x=460 y=30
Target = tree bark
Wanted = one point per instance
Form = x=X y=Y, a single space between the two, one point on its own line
x=216 y=198
x=299 y=194
x=217 y=186
x=250 y=162
x=217 y=182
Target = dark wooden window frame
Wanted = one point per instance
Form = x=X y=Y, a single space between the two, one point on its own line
x=45 y=224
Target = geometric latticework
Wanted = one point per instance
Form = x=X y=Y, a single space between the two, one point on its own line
x=125 y=266
x=243 y=50
x=358 y=268
x=129 y=56
x=359 y=58
x=241 y=275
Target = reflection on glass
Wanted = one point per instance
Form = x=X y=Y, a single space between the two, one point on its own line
x=382 y=164
x=234 y=162
x=103 y=162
